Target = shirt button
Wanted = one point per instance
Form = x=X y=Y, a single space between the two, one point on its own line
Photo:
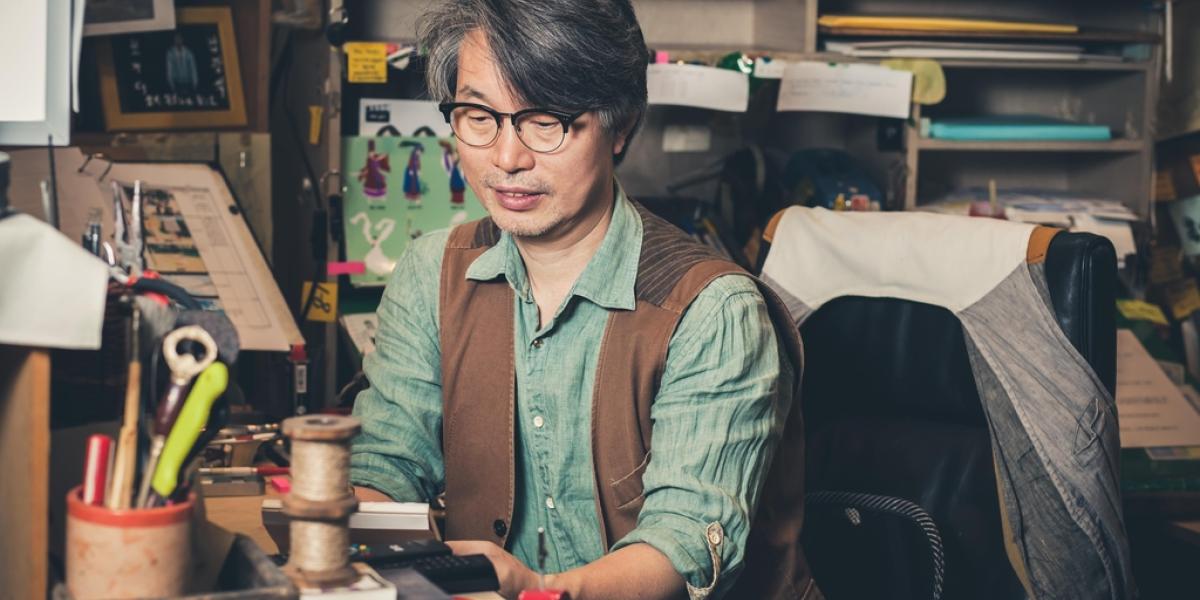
x=537 y=343
x=538 y=421
x=549 y=502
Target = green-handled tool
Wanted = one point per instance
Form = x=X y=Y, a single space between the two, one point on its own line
x=209 y=386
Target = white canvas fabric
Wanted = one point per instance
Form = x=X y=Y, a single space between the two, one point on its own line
x=937 y=259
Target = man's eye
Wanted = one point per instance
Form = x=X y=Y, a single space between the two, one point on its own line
x=545 y=124
x=479 y=120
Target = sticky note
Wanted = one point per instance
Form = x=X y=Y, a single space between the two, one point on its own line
x=366 y=62
x=1183 y=297
x=1138 y=310
x=325 y=302
x=314 y=124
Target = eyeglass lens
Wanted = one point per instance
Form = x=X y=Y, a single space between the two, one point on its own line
x=540 y=132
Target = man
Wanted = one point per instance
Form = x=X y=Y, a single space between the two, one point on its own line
x=571 y=316
x=181 y=68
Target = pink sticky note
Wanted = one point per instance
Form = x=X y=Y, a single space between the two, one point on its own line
x=346 y=268
x=281 y=484
x=661 y=57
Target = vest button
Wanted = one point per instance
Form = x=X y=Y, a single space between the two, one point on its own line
x=499 y=527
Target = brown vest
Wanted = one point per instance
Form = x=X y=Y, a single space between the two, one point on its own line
x=479 y=402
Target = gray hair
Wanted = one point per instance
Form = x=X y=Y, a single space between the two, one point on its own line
x=567 y=55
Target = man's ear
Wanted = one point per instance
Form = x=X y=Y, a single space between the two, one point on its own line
x=622 y=137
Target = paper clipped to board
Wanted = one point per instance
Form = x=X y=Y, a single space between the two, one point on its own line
x=698 y=86
x=846 y=88
x=1152 y=410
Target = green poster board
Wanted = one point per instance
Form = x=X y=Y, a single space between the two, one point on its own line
x=398 y=188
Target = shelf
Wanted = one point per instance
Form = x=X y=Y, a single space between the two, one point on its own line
x=967 y=64
x=938 y=145
x=1084 y=35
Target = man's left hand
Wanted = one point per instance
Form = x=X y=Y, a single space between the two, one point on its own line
x=513 y=575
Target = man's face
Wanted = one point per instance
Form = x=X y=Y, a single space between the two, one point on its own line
x=547 y=196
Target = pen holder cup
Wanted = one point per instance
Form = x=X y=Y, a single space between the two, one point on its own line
x=140 y=553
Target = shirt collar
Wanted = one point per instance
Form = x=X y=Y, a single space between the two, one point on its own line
x=609 y=278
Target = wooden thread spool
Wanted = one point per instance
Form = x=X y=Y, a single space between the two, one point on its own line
x=321 y=499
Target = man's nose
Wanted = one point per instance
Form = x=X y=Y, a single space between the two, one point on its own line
x=509 y=154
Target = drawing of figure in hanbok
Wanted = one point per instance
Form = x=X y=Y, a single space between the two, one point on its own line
x=372 y=176
x=376 y=261
x=458 y=185
x=412 y=172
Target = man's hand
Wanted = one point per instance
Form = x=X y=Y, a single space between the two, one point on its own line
x=513 y=575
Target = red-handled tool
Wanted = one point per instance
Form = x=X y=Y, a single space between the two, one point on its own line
x=96 y=468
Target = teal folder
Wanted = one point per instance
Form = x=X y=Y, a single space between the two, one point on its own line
x=1015 y=128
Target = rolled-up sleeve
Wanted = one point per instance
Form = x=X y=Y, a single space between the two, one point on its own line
x=717 y=419
x=399 y=450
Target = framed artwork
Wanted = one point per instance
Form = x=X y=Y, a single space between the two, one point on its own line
x=180 y=79
x=108 y=17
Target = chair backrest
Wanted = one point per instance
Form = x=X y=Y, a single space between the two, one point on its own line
x=891 y=408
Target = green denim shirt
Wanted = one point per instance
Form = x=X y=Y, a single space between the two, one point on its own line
x=717 y=417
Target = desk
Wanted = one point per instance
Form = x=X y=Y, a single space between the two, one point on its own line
x=1187 y=531
x=243 y=514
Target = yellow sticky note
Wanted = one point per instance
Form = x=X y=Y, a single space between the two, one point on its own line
x=1137 y=310
x=366 y=62
x=314 y=124
x=1183 y=298
x=325 y=301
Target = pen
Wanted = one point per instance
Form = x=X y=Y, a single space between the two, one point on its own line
x=96 y=468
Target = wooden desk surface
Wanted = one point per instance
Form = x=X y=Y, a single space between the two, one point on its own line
x=1188 y=531
x=243 y=514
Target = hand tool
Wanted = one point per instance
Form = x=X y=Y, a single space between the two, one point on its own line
x=183 y=368
x=217 y=418
x=209 y=386
x=97 y=467
x=128 y=238
x=264 y=471
x=125 y=463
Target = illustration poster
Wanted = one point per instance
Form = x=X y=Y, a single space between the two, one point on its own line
x=398 y=188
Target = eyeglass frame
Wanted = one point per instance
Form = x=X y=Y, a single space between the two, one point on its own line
x=564 y=118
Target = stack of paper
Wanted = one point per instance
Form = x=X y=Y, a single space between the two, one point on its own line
x=941 y=24
x=963 y=50
x=1104 y=217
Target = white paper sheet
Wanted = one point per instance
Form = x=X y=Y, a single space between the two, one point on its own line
x=245 y=287
x=54 y=78
x=1117 y=232
x=698 y=86
x=406 y=116
x=77 y=11
x=846 y=88
x=1152 y=410
x=361 y=328
x=54 y=291
x=237 y=271
x=23 y=60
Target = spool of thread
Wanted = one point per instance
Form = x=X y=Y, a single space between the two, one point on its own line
x=321 y=499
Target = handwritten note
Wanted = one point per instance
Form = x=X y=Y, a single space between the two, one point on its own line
x=698 y=86
x=366 y=62
x=845 y=88
x=1152 y=410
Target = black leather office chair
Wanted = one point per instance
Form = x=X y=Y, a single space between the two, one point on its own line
x=892 y=411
